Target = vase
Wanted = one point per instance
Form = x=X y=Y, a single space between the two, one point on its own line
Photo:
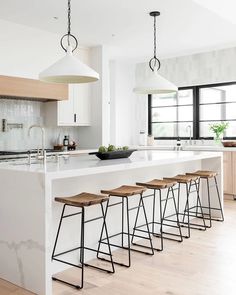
x=218 y=139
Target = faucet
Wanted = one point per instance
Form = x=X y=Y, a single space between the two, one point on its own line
x=189 y=127
x=43 y=152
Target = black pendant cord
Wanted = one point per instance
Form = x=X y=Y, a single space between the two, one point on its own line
x=69 y=22
x=68 y=35
x=155 y=37
x=155 y=62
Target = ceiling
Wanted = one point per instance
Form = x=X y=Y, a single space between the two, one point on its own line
x=184 y=27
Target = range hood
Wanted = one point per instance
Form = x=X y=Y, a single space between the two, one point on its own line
x=23 y=88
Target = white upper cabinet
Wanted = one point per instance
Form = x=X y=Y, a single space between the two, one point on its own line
x=65 y=111
x=75 y=111
x=82 y=107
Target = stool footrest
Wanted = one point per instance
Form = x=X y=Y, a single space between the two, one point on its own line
x=99 y=268
x=78 y=248
x=67 y=283
x=143 y=246
x=124 y=233
x=193 y=226
x=126 y=248
x=114 y=262
x=205 y=207
x=158 y=235
x=68 y=263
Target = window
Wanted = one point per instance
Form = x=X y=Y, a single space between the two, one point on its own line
x=216 y=104
x=172 y=115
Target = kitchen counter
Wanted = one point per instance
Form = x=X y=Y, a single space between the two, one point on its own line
x=29 y=215
x=21 y=155
x=90 y=164
x=211 y=148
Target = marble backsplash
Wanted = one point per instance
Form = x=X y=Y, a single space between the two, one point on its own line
x=28 y=113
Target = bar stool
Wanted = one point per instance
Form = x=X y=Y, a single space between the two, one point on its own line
x=82 y=201
x=188 y=181
x=159 y=185
x=208 y=175
x=125 y=192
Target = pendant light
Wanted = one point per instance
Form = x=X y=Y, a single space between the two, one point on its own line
x=155 y=83
x=69 y=69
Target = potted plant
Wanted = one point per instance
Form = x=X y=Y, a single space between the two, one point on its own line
x=218 y=129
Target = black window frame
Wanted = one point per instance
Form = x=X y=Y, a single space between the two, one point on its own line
x=196 y=111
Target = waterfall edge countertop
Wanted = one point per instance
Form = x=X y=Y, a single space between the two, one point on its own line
x=68 y=166
x=29 y=215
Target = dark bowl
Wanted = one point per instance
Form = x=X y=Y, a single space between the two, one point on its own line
x=229 y=143
x=113 y=155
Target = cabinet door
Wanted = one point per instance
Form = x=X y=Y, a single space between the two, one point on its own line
x=229 y=173
x=234 y=172
x=82 y=104
x=66 y=113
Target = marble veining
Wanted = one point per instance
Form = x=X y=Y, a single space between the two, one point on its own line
x=16 y=247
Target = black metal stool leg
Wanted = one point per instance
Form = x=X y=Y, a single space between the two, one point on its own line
x=141 y=204
x=177 y=215
x=166 y=202
x=161 y=220
x=153 y=211
x=146 y=220
x=209 y=202
x=166 y=218
x=128 y=231
x=82 y=248
x=104 y=213
x=81 y=252
x=218 y=194
x=122 y=223
x=135 y=222
x=102 y=230
x=58 y=230
x=198 y=189
x=188 y=187
x=201 y=208
x=178 y=198
x=108 y=245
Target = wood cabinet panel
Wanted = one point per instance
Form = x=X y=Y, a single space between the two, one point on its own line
x=228 y=172
x=33 y=89
x=233 y=177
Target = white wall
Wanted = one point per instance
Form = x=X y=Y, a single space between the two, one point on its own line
x=26 y=51
x=126 y=120
x=198 y=69
x=98 y=133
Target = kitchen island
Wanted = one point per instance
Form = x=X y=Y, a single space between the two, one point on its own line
x=29 y=215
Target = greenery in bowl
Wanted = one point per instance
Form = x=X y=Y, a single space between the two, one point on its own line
x=218 y=129
x=112 y=148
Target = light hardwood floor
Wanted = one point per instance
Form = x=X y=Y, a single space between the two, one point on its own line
x=205 y=264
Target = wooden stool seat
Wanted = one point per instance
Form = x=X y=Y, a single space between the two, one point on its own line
x=82 y=200
x=183 y=178
x=204 y=173
x=125 y=191
x=157 y=184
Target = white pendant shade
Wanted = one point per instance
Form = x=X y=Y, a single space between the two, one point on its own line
x=155 y=84
x=69 y=69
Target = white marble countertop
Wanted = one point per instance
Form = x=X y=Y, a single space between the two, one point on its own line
x=28 y=191
x=213 y=148
x=69 y=166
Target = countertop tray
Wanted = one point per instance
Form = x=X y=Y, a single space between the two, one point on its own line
x=113 y=155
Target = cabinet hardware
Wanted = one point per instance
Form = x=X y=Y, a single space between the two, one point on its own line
x=75 y=118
